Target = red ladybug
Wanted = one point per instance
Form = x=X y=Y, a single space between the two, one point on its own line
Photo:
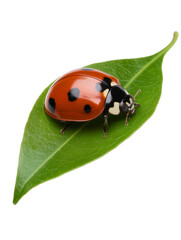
x=82 y=95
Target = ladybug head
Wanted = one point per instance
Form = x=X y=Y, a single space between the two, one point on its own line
x=128 y=105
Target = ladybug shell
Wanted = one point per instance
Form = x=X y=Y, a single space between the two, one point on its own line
x=79 y=95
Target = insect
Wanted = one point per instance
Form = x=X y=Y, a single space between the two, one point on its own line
x=82 y=95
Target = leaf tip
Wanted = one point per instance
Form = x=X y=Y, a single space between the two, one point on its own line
x=15 y=202
x=15 y=198
x=170 y=45
x=174 y=39
x=175 y=36
x=17 y=194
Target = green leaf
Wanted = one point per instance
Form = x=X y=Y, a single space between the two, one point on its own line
x=45 y=154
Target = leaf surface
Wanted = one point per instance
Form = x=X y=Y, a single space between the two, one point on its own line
x=45 y=154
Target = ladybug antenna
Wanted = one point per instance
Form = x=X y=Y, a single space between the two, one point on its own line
x=136 y=93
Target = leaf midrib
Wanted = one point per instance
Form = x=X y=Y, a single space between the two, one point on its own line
x=51 y=155
x=159 y=54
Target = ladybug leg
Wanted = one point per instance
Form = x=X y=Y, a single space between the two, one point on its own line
x=65 y=128
x=105 y=125
x=127 y=118
x=137 y=104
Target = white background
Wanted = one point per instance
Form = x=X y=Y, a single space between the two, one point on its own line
x=137 y=197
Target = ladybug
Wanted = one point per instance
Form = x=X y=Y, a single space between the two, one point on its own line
x=82 y=95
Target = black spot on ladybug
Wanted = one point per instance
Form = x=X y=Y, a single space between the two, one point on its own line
x=87 y=108
x=51 y=105
x=73 y=94
x=104 y=84
x=87 y=69
x=107 y=81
